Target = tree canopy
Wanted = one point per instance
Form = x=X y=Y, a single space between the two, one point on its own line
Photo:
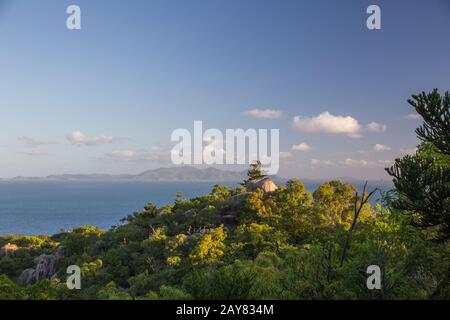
x=422 y=181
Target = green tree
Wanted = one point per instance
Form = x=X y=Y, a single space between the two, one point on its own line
x=42 y=290
x=210 y=247
x=9 y=290
x=255 y=172
x=112 y=292
x=422 y=181
x=172 y=293
x=435 y=111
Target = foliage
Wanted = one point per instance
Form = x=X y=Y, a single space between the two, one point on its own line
x=422 y=181
x=435 y=111
x=9 y=290
x=254 y=173
x=286 y=244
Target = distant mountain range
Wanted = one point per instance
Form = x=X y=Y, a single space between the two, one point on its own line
x=185 y=173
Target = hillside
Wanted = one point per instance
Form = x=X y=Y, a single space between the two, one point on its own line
x=234 y=244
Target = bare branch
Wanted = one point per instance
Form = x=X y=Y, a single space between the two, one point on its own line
x=364 y=199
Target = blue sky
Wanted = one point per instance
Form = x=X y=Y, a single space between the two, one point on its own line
x=106 y=98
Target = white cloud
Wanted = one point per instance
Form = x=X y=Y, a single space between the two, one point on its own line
x=78 y=137
x=321 y=163
x=301 y=147
x=356 y=163
x=377 y=148
x=381 y=147
x=410 y=151
x=365 y=163
x=376 y=127
x=413 y=116
x=327 y=123
x=265 y=114
x=285 y=154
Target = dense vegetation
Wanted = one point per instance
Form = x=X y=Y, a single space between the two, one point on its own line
x=286 y=244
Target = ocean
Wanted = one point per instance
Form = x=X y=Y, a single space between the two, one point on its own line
x=47 y=207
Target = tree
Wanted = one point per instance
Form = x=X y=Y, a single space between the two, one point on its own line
x=254 y=173
x=357 y=208
x=112 y=292
x=435 y=111
x=9 y=290
x=288 y=209
x=422 y=181
x=210 y=247
x=42 y=290
x=333 y=203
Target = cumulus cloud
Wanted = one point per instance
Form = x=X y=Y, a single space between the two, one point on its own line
x=285 y=154
x=376 y=127
x=335 y=124
x=413 y=116
x=366 y=163
x=321 y=163
x=381 y=147
x=301 y=147
x=377 y=148
x=356 y=163
x=264 y=114
x=327 y=123
x=78 y=137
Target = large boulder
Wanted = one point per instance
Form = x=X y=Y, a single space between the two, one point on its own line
x=265 y=184
x=8 y=249
x=46 y=266
x=27 y=277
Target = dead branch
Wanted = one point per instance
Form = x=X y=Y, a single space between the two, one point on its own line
x=364 y=199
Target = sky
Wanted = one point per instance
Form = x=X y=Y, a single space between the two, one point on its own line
x=106 y=98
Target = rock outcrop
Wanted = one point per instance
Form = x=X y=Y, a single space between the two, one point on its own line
x=8 y=249
x=46 y=266
x=236 y=200
x=265 y=184
x=27 y=277
x=230 y=213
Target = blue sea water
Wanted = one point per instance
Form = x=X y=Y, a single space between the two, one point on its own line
x=47 y=207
